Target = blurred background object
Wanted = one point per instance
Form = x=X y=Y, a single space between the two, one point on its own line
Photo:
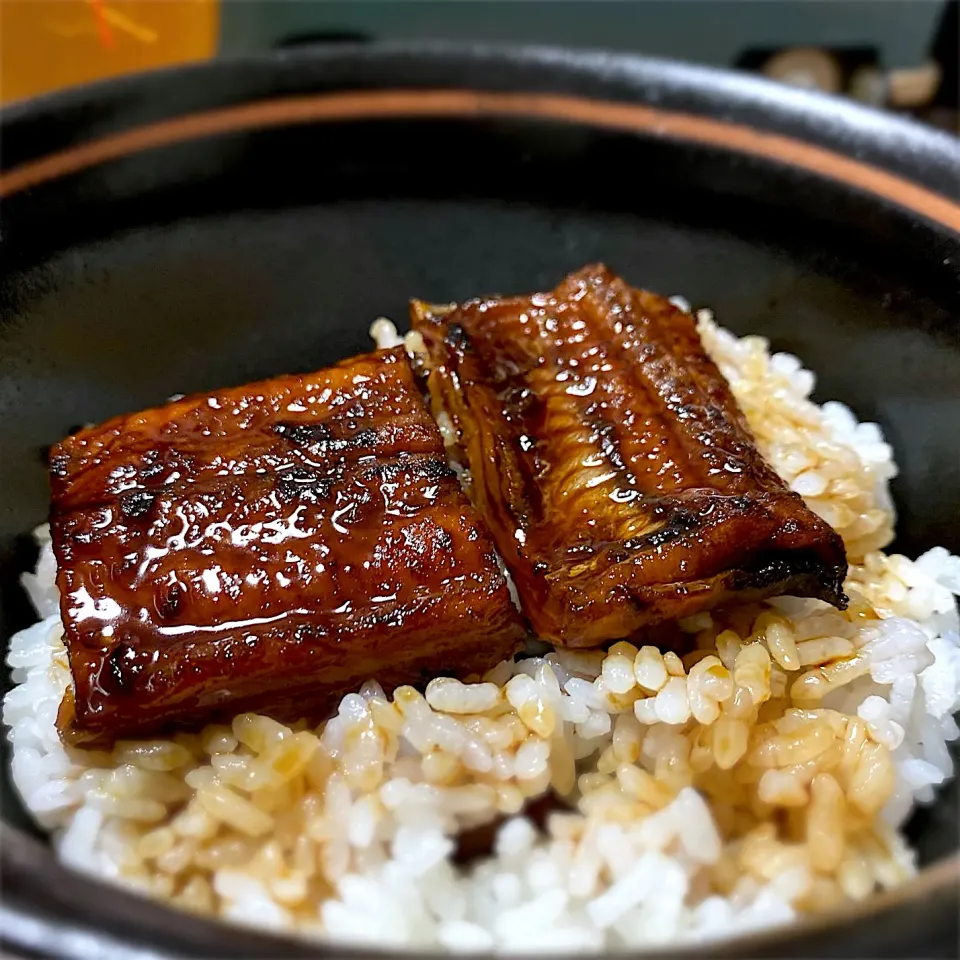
x=47 y=45
x=900 y=54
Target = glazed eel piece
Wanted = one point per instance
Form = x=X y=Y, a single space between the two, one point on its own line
x=611 y=463
x=268 y=548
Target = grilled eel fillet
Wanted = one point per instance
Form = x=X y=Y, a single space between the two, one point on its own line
x=612 y=464
x=268 y=548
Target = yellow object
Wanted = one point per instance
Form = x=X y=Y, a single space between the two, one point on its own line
x=47 y=45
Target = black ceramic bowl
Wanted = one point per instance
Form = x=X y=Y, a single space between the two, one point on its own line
x=220 y=223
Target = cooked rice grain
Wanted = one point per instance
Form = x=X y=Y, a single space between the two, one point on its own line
x=767 y=773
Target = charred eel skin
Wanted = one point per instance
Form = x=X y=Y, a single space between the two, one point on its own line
x=270 y=548
x=608 y=457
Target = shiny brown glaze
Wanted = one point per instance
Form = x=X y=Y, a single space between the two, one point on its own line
x=612 y=464
x=268 y=547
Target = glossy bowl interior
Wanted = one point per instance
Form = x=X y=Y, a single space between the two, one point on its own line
x=218 y=224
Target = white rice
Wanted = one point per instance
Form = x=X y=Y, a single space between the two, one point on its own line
x=766 y=775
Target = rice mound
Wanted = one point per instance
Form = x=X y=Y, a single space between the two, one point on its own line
x=764 y=775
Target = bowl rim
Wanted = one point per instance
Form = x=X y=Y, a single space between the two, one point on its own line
x=926 y=156
x=895 y=160
x=453 y=103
